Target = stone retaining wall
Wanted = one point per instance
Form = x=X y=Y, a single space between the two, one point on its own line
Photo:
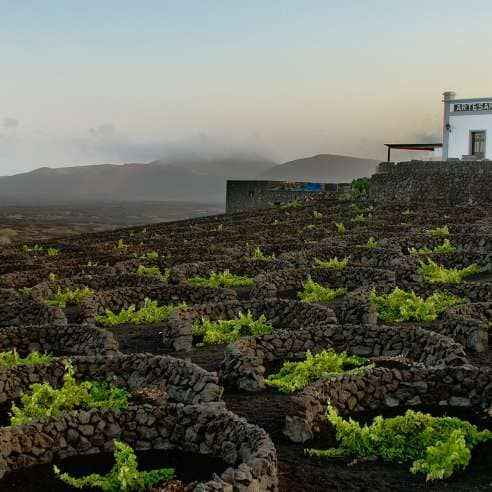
x=357 y=309
x=241 y=266
x=471 y=333
x=468 y=324
x=119 y=299
x=282 y=314
x=9 y=295
x=206 y=429
x=270 y=285
x=26 y=312
x=244 y=360
x=381 y=387
x=474 y=291
x=446 y=183
x=66 y=340
x=183 y=381
x=35 y=276
x=46 y=290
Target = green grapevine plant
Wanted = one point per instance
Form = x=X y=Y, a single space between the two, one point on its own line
x=445 y=247
x=225 y=279
x=294 y=376
x=314 y=292
x=154 y=271
x=401 y=306
x=123 y=477
x=341 y=229
x=258 y=255
x=435 y=273
x=227 y=331
x=67 y=296
x=11 y=358
x=332 y=263
x=45 y=401
x=438 y=231
x=150 y=313
x=436 y=446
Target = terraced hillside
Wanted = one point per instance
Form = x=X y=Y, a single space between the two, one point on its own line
x=184 y=328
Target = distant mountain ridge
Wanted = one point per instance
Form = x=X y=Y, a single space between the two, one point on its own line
x=196 y=180
x=323 y=168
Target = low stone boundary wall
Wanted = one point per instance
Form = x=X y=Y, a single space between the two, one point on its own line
x=440 y=182
x=183 y=381
x=282 y=314
x=477 y=310
x=380 y=258
x=458 y=259
x=181 y=273
x=470 y=332
x=381 y=387
x=474 y=291
x=26 y=312
x=270 y=284
x=244 y=360
x=206 y=429
x=45 y=290
x=357 y=309
x=8 y=267
x=9 y=296
x=66 y=340
x=35 y=276
x=118 y=299
x=468 y=324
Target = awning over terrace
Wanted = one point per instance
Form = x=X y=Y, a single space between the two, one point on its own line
x=419 y=147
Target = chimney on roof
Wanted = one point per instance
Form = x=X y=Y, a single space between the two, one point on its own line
x=449 y=95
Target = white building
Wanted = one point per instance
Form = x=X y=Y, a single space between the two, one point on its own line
x=466 y=128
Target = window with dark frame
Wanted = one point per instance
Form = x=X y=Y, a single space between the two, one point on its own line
x=251 y=194
x=478 y=143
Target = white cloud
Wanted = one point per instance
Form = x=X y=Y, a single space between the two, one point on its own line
x=10 y=123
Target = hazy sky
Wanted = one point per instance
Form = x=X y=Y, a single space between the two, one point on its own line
x=119 y=81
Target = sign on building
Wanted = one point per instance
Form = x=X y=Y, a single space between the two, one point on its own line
x=467 y=128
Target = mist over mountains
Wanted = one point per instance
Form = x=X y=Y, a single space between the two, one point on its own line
x=193 y=179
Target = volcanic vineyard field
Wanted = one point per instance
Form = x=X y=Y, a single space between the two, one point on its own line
x=235 y=348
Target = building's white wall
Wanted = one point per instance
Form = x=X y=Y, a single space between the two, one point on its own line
x=437 y=154
x=459 y=137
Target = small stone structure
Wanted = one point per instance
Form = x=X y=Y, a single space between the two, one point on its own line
x=248 y=195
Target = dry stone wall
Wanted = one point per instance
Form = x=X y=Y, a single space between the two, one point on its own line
x=119 y=299
x=291 y=315
x=244 y=361
x=51 y=338
x=205 y=429
x=26 y=312
x=182 y=381
x=47 y=289
x=270 y=285
x=381 y=387
x=446 y=183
